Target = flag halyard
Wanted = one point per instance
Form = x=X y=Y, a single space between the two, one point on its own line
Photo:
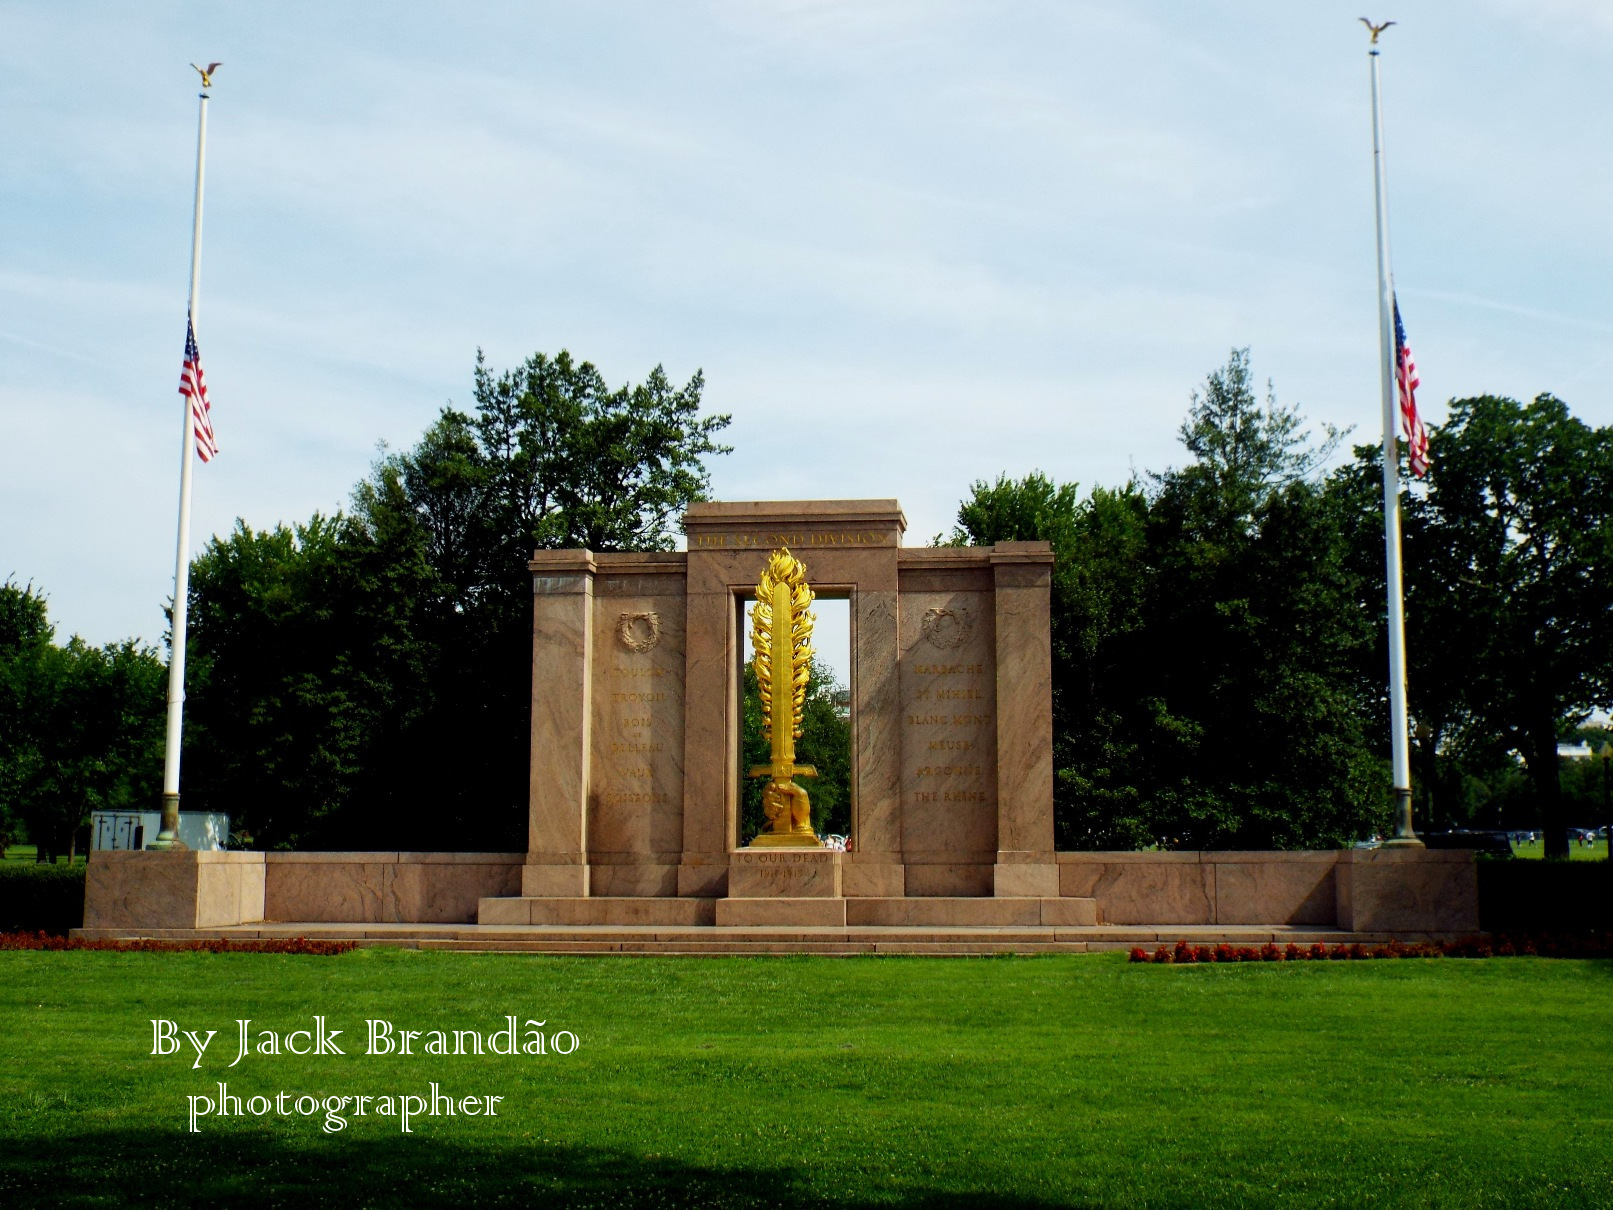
x=193 y=385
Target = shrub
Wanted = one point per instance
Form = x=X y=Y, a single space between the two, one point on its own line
x=1545 y=896
x=43 y=897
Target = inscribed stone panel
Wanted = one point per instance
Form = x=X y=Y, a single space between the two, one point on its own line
x=636 y=789
x=949 y=753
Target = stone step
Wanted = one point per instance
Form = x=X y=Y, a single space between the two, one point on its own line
x=933 y=912
x=733 y=946
x=707 y=940
x=791 y=911
x=779 y=910
x=910 y=912
x=1131 y=934
x=620 y=910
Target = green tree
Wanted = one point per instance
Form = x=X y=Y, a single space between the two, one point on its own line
x=80 y=726
x=1097 y=595
x=571 y=463
x=1257 y=735
x=1243 y=452
x=24 y=620
x=1205 y=639
x=25 y=633
x=309 y=678
x=1509 y=569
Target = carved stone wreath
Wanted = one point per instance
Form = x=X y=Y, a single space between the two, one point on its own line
x=639 y=631
x=947 y=629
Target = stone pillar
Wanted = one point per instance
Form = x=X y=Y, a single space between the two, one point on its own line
x=1026 y=865
x=874 y=866
x=562 y=714
x=710 y=728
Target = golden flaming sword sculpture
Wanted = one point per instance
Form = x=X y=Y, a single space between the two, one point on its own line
x=781 y=633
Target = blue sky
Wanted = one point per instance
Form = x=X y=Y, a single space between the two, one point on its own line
x=910 y=244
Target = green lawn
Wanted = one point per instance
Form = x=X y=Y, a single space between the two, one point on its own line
x=776 y=1082
x=27 y=852
x=1576 y=852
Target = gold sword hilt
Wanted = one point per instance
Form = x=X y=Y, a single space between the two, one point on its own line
x=782 y=773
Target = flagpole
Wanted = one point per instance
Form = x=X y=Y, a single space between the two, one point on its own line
x=168 y=832
x=1400 y=750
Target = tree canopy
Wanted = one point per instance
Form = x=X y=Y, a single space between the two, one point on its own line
x=1203 y=633
x=1509 y=585
x=1220 y=662
x=80 y=726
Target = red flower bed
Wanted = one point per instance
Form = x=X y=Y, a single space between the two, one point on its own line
x=213 y=945
x=1547 y=945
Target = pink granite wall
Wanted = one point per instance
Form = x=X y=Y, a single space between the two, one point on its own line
x=386 y=888
x=1385 y=890
x=175 y=890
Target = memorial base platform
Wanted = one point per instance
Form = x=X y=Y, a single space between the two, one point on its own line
x=798 y=939
x=779 y=899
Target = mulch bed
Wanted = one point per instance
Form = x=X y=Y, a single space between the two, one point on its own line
x=212 y=945
x=1544 y=945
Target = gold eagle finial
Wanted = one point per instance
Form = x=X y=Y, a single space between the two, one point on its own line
x=1376 y=29
x=206 y=73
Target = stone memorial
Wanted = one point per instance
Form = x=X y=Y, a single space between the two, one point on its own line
x=636 y=712
x=635 y=791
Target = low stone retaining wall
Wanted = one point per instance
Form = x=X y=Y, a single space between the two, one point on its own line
x=200 y=890
x=185 y=890
x=1385 y=890
x=1205 y=888
x=1400 y=890
x=386 y=888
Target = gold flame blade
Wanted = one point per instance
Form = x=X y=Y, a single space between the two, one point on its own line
x=781 y=636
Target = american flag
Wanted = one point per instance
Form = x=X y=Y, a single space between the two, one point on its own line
x=193 y=385
x=1408 y=382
